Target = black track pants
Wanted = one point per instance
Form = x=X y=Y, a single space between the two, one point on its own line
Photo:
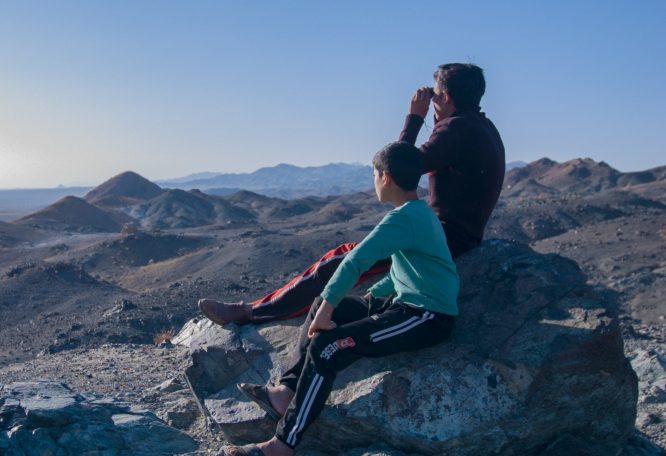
x=371 y=328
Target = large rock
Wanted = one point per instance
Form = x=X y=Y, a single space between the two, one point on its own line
x=48 y=419
x=536 y=363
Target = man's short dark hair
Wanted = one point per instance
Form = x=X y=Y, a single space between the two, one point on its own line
x=464 y=82
x=403 y=162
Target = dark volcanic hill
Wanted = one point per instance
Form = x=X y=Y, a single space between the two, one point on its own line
x=75 y=214
x=268 y=208
x=123 y=190
x=11 y=234
x=581 y=175
x=181 y=209
x=543 y=216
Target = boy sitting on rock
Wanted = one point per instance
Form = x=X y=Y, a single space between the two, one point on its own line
x=413 y=307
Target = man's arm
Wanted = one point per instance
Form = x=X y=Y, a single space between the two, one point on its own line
x=440 y=149
x=418 y=109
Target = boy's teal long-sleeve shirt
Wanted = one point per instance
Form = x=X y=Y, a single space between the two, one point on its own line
x=422 y=273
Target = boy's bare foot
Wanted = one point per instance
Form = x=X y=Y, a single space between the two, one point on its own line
x=226 y=312
x=275 y=447
x=280 y=397
x=272 y=447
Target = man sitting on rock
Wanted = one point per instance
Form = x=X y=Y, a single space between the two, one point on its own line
x=412 y=307
x=464 y=159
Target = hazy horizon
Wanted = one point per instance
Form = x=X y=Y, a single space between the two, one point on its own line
x=88 y=185
x=167 y=89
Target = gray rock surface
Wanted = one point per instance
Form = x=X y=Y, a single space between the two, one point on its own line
x=650 y=366
x=537 y=355
x=47 y=418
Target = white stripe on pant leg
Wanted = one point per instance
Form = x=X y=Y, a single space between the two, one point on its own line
x=308 y=397
x=299 y=426
x=405 y=329
x=393 y=328
x=305 y=401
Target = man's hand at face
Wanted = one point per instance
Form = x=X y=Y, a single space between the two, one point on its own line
x=421 y=102
x=322 y=319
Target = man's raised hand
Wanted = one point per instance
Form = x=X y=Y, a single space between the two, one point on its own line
x=421 y=102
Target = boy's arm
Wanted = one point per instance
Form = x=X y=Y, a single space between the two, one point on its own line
x=322 y=319
x=393 y=233
x=382 y=288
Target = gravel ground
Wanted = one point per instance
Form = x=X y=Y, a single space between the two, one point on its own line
x=126 y=372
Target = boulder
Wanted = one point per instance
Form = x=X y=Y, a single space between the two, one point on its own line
x=535 y=364
x=47 y=418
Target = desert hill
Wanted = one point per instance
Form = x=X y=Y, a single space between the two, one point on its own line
x=109 y=257
x=181 y=209
x=122 y=190
x=75 y=214
x=11 y=234
x=126 y=199
x=264 y=207
x=540 y=216
x=581 y=175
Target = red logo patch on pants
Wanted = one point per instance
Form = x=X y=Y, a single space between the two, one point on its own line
x=333 y=347
x=345 y=343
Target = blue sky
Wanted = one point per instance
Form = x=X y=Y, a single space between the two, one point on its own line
x=89 y=89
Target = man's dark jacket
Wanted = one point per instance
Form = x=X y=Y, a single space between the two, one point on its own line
x=464 y=159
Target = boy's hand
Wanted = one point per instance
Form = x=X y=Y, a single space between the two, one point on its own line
x=322 y=319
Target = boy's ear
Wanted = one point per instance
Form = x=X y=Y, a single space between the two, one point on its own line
x=386 y=178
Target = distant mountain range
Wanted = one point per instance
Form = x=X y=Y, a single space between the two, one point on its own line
x=281 y=181
x=284 y=181
x=288 y=181
x=130 y=198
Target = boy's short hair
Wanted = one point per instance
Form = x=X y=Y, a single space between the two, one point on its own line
x=464 y=82
x=403 y=162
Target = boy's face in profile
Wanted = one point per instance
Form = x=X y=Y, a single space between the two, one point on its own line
x=380 y=187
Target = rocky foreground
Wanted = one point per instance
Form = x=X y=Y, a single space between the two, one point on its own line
x=535 y=364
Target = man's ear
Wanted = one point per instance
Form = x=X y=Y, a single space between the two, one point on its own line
x=447 y=98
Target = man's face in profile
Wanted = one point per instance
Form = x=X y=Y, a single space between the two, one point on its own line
x=439 y=102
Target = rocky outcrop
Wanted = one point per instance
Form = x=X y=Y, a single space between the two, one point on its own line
x=536 y=362
x=47 y=418
x=650 y=365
